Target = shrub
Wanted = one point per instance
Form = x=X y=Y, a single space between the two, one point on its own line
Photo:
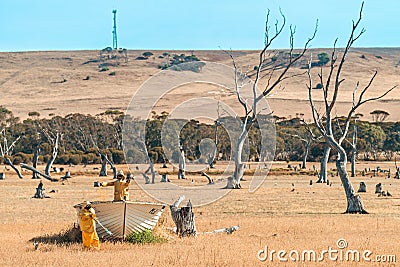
x=147 y=54
x=104 y=69
x=87 y=78
x=75 y=159
x=145 y=237
x=118 y=156
x=16 y=160
x=141 y=58
x=318 y=86
x=323 y=58
x=195 y=67
x=33 y=114
x=363 y=57
x=112 y=73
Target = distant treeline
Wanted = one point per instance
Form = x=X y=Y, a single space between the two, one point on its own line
x=83 y=135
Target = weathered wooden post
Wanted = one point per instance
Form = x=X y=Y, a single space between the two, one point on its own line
x=146 y=178
x=363 y=188
x=183 y=218
x=378 y=188
x=164 y=178
x=182 y=164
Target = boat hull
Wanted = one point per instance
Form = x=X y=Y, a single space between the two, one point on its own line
x=123 y=218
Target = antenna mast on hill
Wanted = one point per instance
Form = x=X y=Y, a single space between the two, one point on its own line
x=115 y=43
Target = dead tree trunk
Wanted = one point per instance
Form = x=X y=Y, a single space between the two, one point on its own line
x=211 y=157
x=354 y=203
x=183 y=218
x=307 y=148
x=234 y=180
x=354 y=150
x=9 y=163
x=146 y=178
x=104 y=161
x=152 y=171
x=53 y=156
x=103 y=170
x=35 y=175
x=323 y=175
x=397 y=174
x=353 y=161
x=24 y=166
x=182 y=164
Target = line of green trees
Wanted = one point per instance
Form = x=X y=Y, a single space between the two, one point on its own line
x=82 y=136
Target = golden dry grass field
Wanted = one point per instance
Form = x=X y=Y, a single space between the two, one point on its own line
x=308 y=218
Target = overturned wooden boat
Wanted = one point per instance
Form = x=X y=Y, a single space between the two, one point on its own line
x=123 y=218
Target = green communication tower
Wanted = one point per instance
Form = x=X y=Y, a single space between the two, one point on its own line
x=115 y=42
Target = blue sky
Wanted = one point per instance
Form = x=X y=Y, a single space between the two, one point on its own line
x=28 y=25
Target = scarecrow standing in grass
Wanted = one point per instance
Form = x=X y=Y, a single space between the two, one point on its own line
x=87 y=223
x=121 y=187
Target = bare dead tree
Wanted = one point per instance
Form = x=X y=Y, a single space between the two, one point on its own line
x=323 y=174
x=354 y=148
x=151 y=169
x=274 y=75
x=397 y=174
x=354 y=203
x=211 y=156
x=6 y=150
x=307 y=139
x=53 y=154
x=35 y=159
x=104 y=162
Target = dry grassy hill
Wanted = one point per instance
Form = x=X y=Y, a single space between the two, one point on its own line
x=55 y=82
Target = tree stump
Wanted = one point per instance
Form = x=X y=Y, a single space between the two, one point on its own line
x=183 y=218
x=378 y=188
x=40 y=191
x=363 y=188
x=146 y=178
x=164 y=178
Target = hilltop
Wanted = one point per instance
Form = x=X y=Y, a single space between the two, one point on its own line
x=64 y=82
